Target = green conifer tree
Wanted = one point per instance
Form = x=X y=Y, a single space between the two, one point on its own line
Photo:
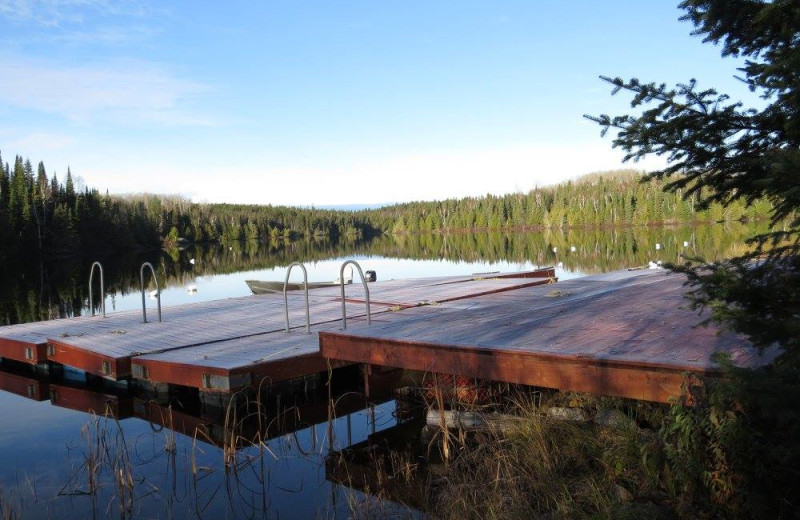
x=739 y=448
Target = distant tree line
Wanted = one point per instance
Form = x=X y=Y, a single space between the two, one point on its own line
x=180 y=219
x=606 y=199
x=39 y=214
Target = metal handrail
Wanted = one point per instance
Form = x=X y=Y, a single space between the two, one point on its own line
x=102 y=289
x=158 y=290
x=366 y=291
x=286 y=298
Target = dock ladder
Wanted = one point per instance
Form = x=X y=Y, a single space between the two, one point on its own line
x=286 y=298
x=102 y=289
x=158 y=291
x=366 y=291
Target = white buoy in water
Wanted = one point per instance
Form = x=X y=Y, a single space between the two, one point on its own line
x=573 y=249
x=658 y=246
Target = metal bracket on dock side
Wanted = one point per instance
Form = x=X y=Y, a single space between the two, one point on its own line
x=139 y=371
x=226 y=383
x=158 y=290
x=366 y=291
x=286 y=299
x=102 y=289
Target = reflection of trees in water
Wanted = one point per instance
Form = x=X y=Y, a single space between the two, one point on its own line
x=59 y=289
x=596 y=250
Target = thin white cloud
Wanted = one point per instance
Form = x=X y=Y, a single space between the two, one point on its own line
x=117 y=35
x=41 y=141
x=54 y=13
x=121 y=90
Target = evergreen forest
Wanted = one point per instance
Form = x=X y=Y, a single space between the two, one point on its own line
x=41 y=216
x=617 y=198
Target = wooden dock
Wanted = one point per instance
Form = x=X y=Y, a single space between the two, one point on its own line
x=626 y=333
x=226 y=345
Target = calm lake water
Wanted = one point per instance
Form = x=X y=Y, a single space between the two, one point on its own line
x=76 y=448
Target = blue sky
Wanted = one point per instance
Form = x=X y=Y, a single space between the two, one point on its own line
x=330 y=102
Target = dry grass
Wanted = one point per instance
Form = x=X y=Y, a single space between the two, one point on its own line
x=543 y=468
x=10 y=506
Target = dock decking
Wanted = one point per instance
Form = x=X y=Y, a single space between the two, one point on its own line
x=228 y=344
x=625 y=334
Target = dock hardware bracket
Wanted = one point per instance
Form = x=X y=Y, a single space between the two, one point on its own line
x=286 y=298
x=158 y=291
x=140 y=371
x=102 y=289
x=366 y=291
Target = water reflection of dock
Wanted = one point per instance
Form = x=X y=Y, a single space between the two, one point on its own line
x=624 y=334
x=283 y=410
x=30 y=387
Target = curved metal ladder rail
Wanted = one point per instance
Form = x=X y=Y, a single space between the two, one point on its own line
x=102 y=289
x=286 y=298
x=366 y=291
x=158 y=290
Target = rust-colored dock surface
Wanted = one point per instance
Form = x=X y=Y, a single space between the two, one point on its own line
x=228 y=344
x=624 y=334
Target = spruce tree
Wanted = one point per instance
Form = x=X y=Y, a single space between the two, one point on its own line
x=721 y=152
x=4 y=187
x=69 y=190
x=17 y=201
x=738 y=449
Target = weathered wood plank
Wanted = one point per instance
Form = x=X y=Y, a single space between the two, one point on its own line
x=31 y=350
x=252 y=361
x=616 y=335
x=620 y=333
x=599 y=377
x=104 y=346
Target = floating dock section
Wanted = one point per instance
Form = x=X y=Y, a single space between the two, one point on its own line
x=227 y=345
x=626 y=333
